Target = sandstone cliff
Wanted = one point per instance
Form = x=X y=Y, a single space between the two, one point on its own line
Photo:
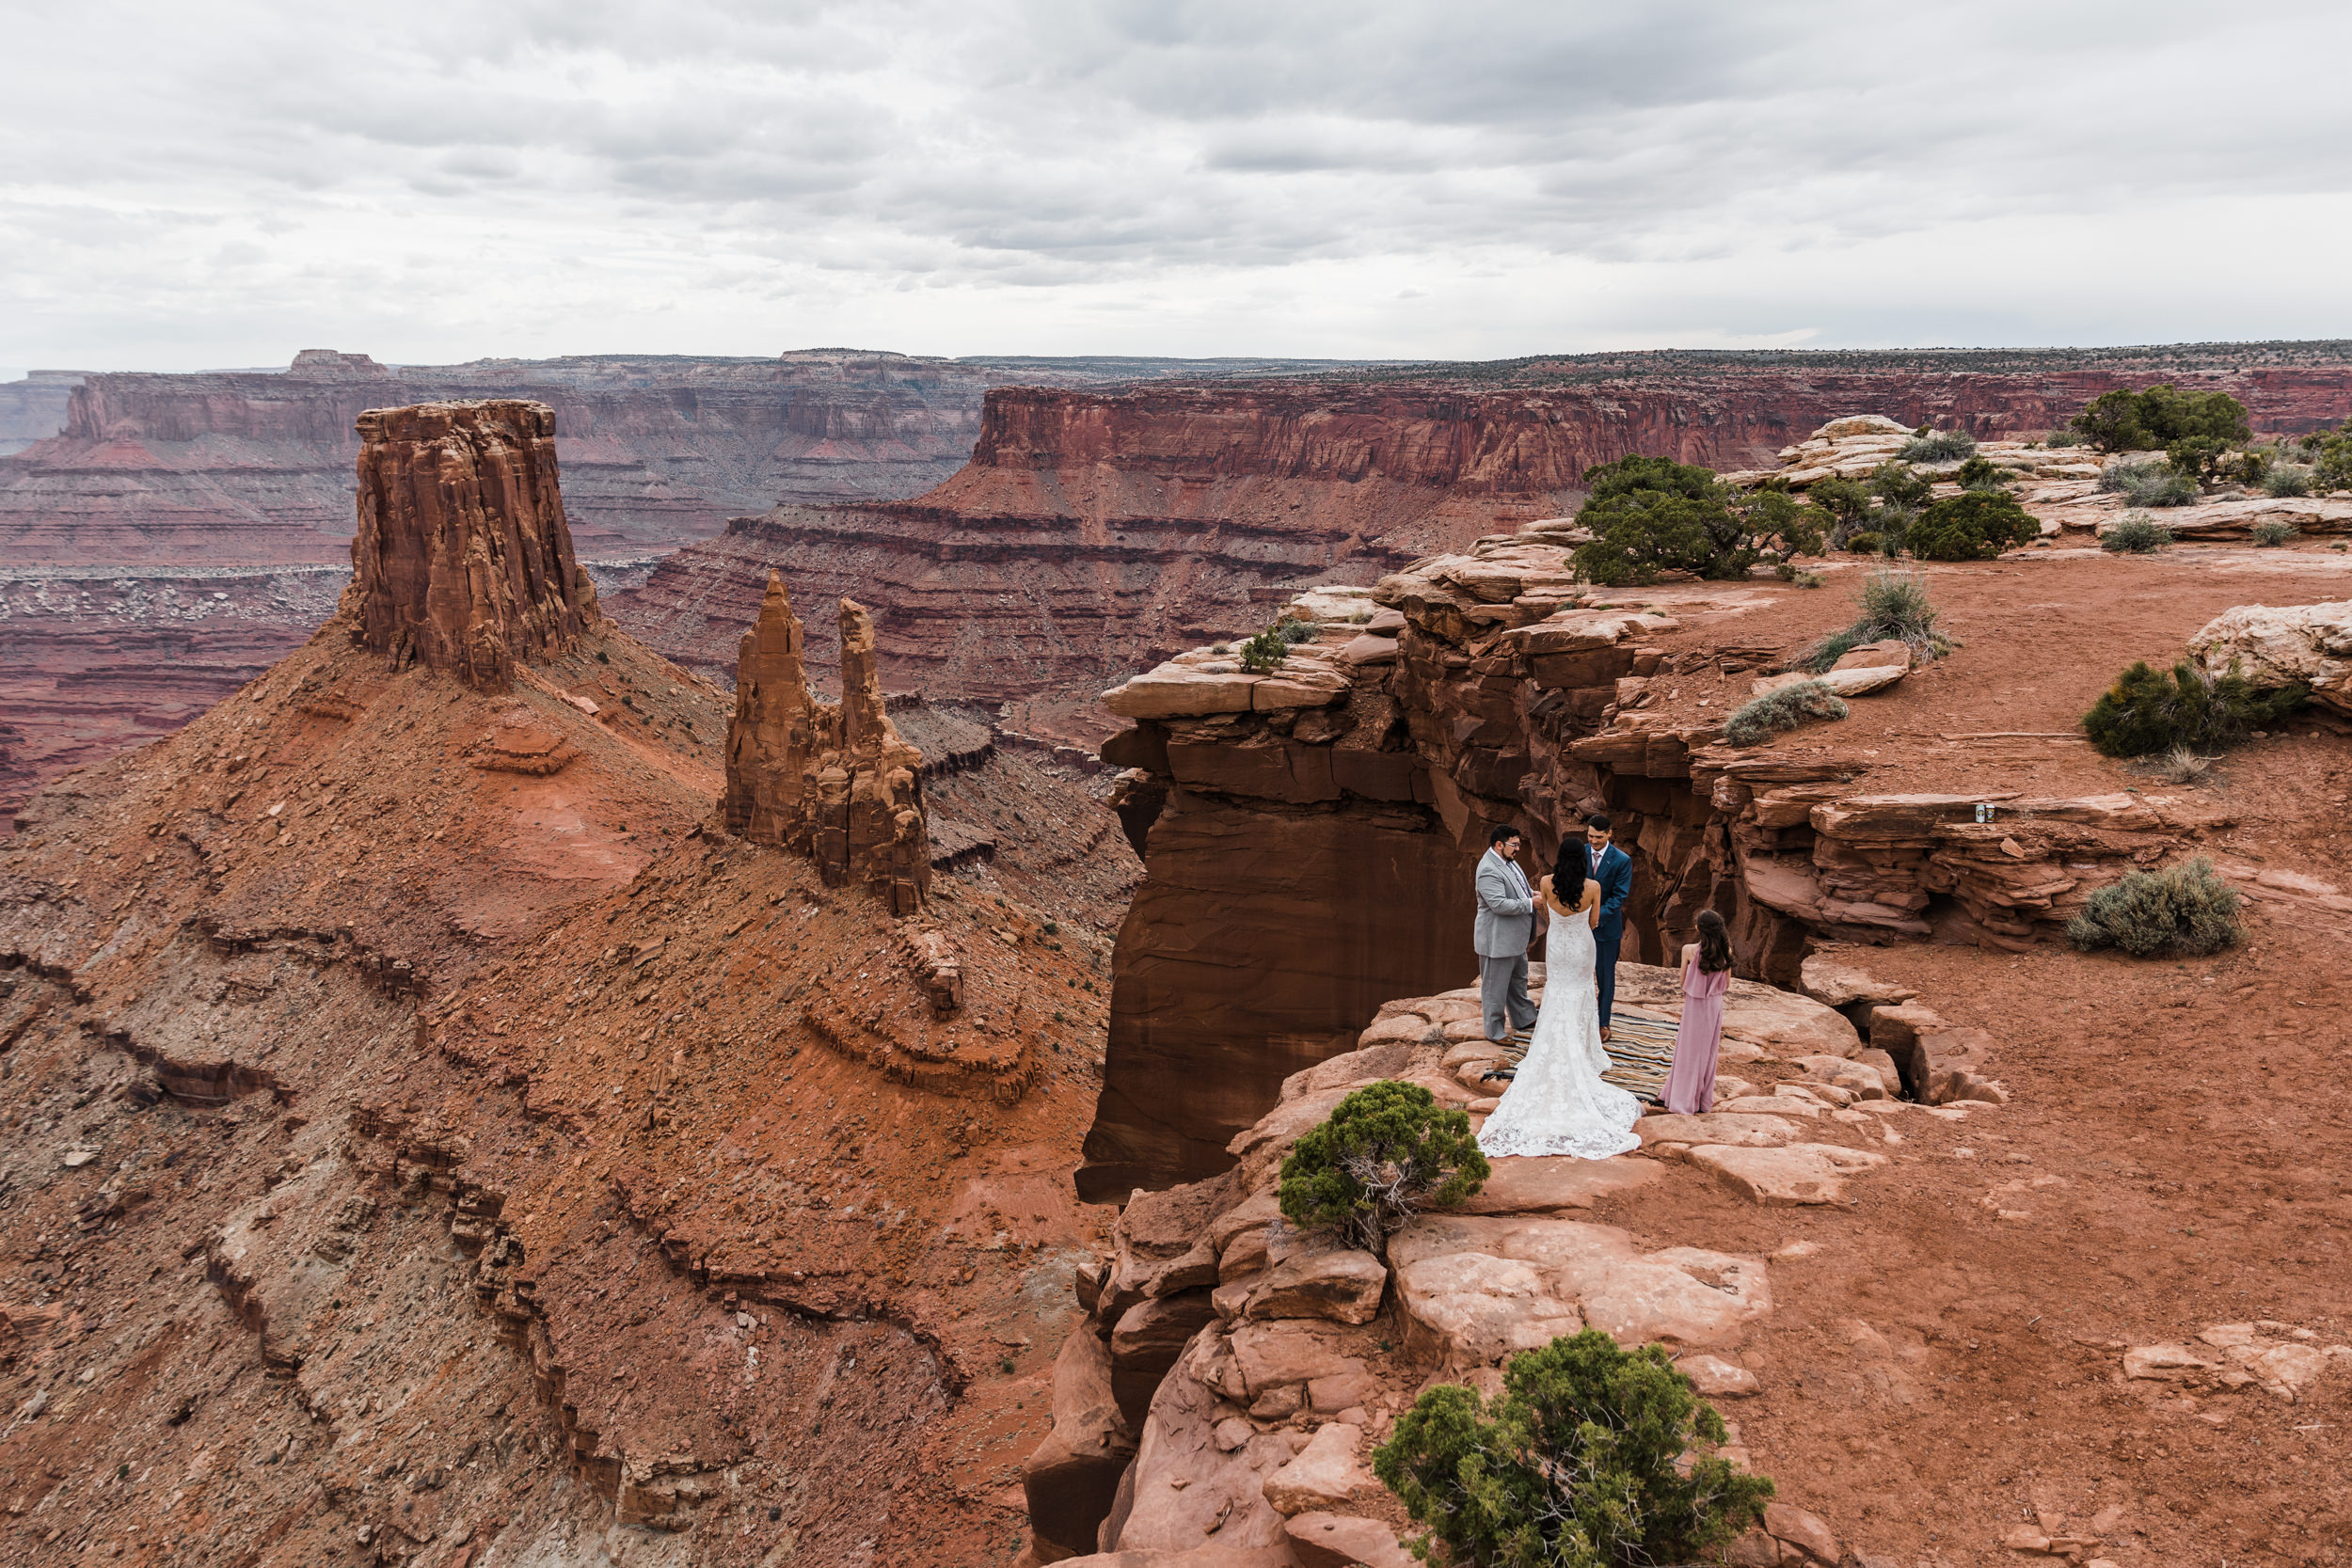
x=1310 y=828
x=463 y=560
x=833 y=781
x=428 y=1067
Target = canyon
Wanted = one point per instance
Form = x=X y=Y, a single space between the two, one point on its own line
x=162 y=532
x=483 y=1092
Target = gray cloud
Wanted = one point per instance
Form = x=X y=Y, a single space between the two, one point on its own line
x=181 y=186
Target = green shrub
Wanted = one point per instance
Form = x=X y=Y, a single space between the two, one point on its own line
x=1865 y=543
x=1388 y=1152
x=2063 y=438
x=1651 y=515
x=2180 y=911
x=1980 y=474
x=2148 y=483
x=2287 y=479
x=2135 y=534
x=1975 y=525
x=1295 y=632
x=1937 y=446
x=2139 y=422
x=1894 y=606
x=1579 y=1464
x=1845 y=499
x=2250 y=466
x=1899 y=488
x=1756 y=721
x=2331 y=467
x=2271 y=533
x=1265 y=653
x=2196 y=458
x=2145 y=711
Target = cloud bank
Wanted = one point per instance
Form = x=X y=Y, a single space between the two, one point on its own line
x=223 y=184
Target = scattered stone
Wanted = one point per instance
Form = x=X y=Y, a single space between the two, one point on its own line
x=2162 y=1361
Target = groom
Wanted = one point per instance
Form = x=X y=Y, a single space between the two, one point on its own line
x=1506 y=924
x=1613 y=870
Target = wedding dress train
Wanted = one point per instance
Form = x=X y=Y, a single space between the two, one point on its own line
x=1557 y=1104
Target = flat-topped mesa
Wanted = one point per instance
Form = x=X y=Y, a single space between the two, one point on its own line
x=463 y=560
x=834 y=781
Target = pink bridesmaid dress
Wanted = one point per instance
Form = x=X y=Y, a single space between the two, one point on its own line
x=1690 y=1087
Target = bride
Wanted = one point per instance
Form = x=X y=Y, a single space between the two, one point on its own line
x=1557 y=1103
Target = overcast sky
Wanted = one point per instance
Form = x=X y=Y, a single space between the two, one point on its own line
x=211 y=182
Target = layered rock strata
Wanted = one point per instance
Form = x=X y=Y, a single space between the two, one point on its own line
x=831 y=781
x=463 y=560
x=1309 y=827
x=1233 y=1373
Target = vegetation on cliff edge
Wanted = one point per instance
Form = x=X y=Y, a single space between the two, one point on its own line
x=1579 y=1464
x=1388 y=1152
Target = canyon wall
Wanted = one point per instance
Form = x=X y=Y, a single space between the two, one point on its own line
x=1096 y=532
x=1308 y=827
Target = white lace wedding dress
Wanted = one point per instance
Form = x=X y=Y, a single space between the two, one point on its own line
x=1558 y=1104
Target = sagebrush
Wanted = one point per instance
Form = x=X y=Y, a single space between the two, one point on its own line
x=2149 y=483
x=1757 y=720
x=1895 y=607
x=2147 y=711
x=2271 y=533
x=2135 y=534
x=1938 y=446
x=1388 y=1152
x=1592 y=1457
x=2180 y=910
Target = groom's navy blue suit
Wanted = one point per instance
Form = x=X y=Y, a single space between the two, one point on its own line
x=1613 y=871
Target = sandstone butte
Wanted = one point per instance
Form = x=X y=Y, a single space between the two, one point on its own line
x=441 y=1135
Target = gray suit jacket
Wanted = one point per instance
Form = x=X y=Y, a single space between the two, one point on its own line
x=1506 y=910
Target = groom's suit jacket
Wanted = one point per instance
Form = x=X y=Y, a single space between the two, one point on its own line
x=1506 y=910
x=1615 y=875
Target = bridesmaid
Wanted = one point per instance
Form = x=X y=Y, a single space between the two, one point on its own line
x=1706 y=977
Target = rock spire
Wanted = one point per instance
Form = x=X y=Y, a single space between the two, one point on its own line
x=463 y=560
x=833 y=781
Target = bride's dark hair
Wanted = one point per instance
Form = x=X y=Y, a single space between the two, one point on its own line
x=1567 y=874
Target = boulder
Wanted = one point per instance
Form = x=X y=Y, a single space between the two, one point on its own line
x=1841 y=682
x=2310 y=643
x=1321 y=1540
x=1797 y=1174
x=1072 y=1476
x=1891 y=653
x=1467 y=1309
x=1680 y=1296
x=1198 y=1556
x=1898 y=1032
x=1285 y=1353
x=1149 y=1337
x=1525 y=1185
x=1325 y=1474
x=1716 y=1378
x=1835 y=984
x=1184 y=1485
x=1342 y=1285
x=1794 y=1526
x=1724 y=1129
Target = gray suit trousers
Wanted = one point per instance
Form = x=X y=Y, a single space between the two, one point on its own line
x=1503 y=995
